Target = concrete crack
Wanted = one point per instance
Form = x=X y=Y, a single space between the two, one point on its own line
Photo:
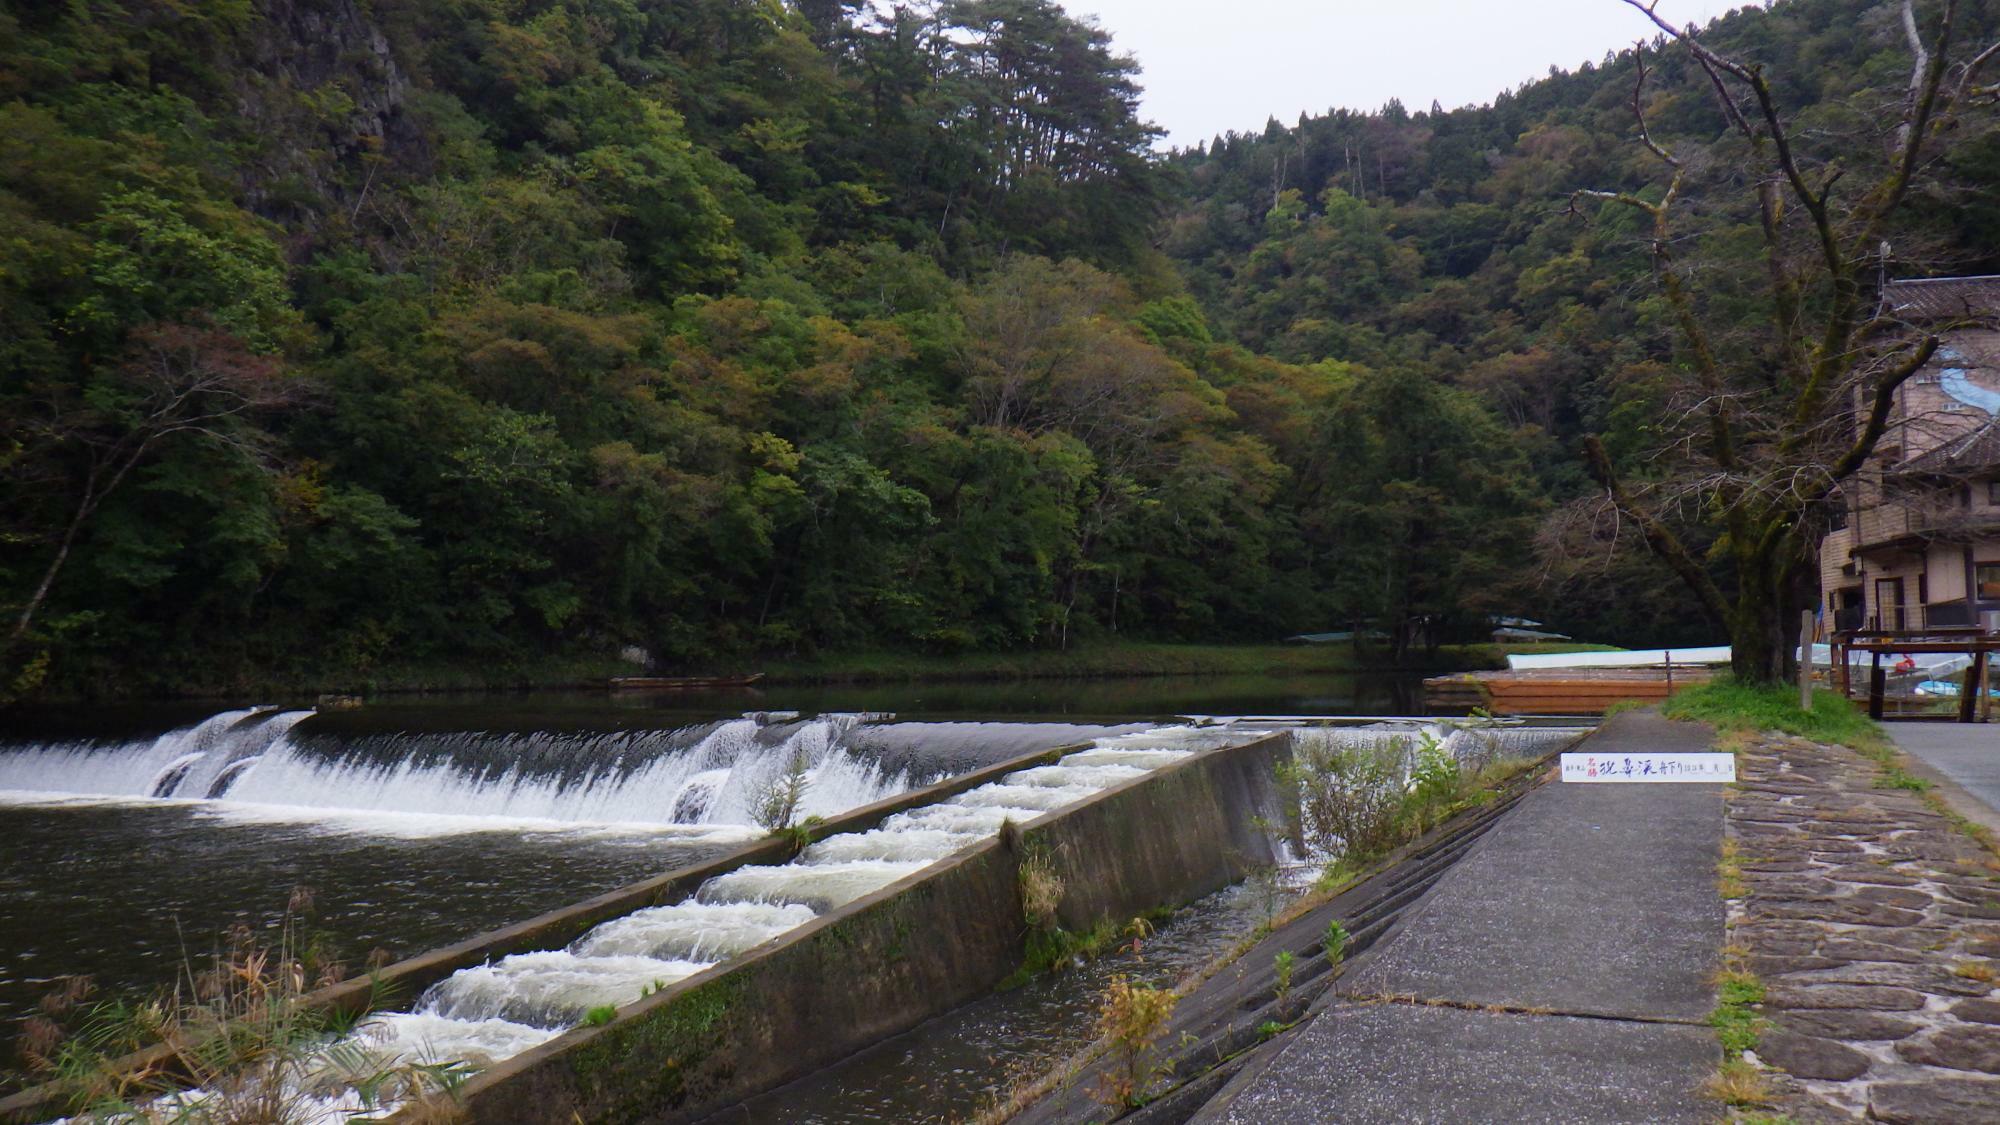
x=1414 y=1000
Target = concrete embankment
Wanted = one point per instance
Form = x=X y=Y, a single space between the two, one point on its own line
x=891 y=959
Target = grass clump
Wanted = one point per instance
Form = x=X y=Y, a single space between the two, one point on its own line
x=1896 y=777
x=1739 y=1082
x=1730 y=705
x=600 y=1015
x=1041 y=890
x=800 y=835
x=241 y=1046
x=1729 y=872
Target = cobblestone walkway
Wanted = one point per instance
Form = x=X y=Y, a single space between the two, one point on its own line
x=1875 y=927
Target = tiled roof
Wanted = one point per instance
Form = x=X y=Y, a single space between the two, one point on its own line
x=1976 y=452
x=1943 y=297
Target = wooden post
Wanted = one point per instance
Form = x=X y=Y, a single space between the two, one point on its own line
x=1877 y=686
x=1970 y=691
x=1805 y=659
x=1669 y=654
x=1985 y=696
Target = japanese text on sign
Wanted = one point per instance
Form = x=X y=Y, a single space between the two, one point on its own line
x=1649 y=767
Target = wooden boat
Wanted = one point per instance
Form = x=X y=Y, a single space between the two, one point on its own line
x=681 y=683
x=1552 y=691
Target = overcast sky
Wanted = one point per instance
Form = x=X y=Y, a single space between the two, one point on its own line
x=1215 y=65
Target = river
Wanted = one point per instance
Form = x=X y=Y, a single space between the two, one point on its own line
x=137 y=836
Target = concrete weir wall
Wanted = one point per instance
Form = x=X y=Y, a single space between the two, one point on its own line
x=890 y=960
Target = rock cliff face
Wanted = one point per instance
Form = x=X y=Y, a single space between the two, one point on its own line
x=323 y=97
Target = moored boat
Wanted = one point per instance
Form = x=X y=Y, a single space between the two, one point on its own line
x=681 y=683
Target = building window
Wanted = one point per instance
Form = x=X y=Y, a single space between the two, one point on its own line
x=1993 y=492
x=1986 y=580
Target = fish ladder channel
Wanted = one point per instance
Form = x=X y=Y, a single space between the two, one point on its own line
x=768 y=972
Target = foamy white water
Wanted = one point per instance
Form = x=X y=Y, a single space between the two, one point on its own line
x=694 y=931
x=248 y=769
x=552 y=988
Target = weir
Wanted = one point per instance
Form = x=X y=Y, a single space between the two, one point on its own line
x=914 y=917
x=521 y=984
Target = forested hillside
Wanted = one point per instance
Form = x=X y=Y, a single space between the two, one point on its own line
x=338 y=336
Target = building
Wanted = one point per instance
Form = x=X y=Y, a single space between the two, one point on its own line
x=1917 y=544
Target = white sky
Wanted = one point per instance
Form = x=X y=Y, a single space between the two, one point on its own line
x=1211 y=67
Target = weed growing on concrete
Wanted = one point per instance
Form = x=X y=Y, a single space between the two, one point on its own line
x=600 y=1015
x=1739 y=1083
x=1283 y=965
x=1269 y=895
x=777 y=805
x=1735 y=1020
x=1334 y=942
x=1131 y=1017
x=1896 y=777
x=1981 y=971
x=1729 y=872
x=1041 y=890
x=1269 y=1028
x=800 y=835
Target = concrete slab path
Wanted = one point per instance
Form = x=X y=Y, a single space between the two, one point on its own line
x=1558 y=973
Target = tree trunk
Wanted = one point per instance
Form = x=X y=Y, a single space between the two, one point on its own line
x=48 y=581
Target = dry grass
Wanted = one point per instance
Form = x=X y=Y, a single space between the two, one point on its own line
x=1739 y=1083
x=1041 y=891
x=1981 y=971
x=1729 y=872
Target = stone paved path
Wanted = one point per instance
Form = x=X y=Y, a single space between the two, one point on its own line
x=1875 y=926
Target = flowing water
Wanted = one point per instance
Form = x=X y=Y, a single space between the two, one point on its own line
x=134 y=842
x=133 y=845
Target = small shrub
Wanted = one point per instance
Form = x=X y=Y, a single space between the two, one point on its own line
x=1131 y=1017
x=777 y=806
x=1283 y=964
x=1350 y=795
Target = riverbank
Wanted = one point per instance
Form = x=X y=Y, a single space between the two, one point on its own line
x=1108 y=661
x=1140 y=659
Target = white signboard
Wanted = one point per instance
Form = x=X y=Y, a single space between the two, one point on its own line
x=1649 y=767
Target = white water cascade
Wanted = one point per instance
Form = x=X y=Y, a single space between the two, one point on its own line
x=489 y=1012
x=248 y=766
